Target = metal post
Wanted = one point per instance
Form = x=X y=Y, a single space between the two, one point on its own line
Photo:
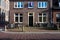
x=58 y=26
x=5 y=28
x=22 y=29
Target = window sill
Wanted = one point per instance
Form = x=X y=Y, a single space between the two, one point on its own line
x=30 y=7
x=18 y=8
x=42 y=22
x=18 y=22
x=42 y=8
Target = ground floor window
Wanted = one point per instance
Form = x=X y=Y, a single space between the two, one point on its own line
x=42 y=17
x=18 y=18
x=58 y=17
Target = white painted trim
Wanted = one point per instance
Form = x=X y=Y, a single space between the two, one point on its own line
x=14 y=18
x=28 y=17
x=42 y=17
x=14 y=4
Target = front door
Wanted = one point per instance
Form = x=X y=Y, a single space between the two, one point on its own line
x=30 y=19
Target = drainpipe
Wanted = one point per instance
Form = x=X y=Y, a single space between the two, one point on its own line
x=49 y=16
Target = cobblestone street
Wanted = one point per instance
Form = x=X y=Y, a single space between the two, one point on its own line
x=29 y=36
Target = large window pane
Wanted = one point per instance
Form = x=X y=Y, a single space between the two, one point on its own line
x=22 y=4
x=21 y=19
x=16 y=19
x=44 y=19
x=30 y=4
x=18 y=4
x=16 y=15
x=42 y=4
x=40 y=14
x=40 y=19
x=21 y=15
x=46 y=4
x=44 y=14
x=39 y=4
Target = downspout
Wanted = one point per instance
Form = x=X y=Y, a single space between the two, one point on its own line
x=49 y=15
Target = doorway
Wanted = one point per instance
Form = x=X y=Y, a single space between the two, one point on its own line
x=30 y=19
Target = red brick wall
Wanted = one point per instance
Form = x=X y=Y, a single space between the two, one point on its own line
x=25 y=11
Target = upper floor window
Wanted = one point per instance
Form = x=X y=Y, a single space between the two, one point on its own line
x=30 y=4
x=42 y=4
x=18 y=5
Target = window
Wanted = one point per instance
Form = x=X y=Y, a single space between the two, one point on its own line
x=59 y=2
x=30 y=4
x=18 y=5
x=42 y=17
x=21 y=17
x=42 y=4
x=58 y=17
x=18 y=18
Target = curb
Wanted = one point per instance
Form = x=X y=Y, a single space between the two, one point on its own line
x=32 y=32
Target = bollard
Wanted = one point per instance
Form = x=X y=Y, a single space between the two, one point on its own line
x=5 y=28
x=22 y=28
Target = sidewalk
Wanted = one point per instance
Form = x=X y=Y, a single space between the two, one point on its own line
x=30 y=29
x=32 y=32
x=29 y=35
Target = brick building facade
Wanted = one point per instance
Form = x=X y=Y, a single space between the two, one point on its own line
x=29 y=12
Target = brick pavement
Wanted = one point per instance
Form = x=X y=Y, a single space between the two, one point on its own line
x=44 y=36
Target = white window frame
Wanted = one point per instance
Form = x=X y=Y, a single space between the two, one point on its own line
x=18 y=18
x=17 y=5
x=42 y=4
x=42 y=19
x=59 y=4
x=32 y=4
